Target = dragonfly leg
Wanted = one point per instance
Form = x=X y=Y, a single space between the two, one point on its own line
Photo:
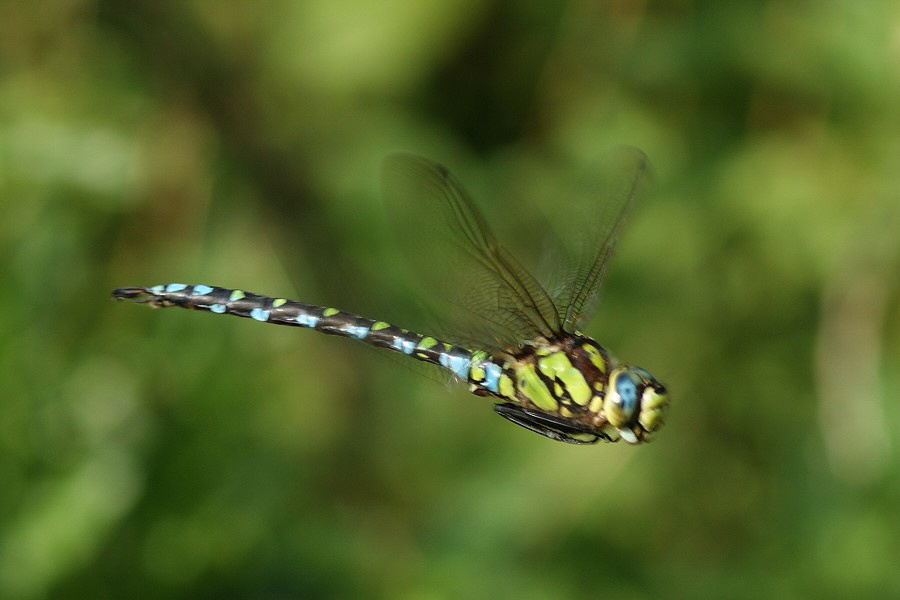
x=555 y=428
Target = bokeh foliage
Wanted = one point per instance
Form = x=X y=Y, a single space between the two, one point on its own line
x=177 y=455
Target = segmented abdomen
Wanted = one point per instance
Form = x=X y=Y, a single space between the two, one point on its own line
x=281 y=311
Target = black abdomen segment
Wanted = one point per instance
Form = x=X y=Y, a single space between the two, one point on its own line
x=281 y=311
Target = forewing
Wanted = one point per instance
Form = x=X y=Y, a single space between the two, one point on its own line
x=592 y=219
x=455 y=254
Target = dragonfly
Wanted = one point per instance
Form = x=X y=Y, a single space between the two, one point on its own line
x=523 y=347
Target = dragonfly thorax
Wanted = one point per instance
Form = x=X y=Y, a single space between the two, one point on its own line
x=573 y=380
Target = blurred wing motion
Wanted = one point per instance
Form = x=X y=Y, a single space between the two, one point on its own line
x=593 y=218
x=481 y=277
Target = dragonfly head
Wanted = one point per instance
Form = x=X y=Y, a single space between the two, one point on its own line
x=635 y=403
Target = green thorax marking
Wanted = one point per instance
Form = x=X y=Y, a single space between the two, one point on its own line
x=567 y=377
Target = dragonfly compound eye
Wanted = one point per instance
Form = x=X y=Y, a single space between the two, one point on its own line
x=622 y=401
x=635 y=398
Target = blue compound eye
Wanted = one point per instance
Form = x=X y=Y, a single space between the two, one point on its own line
x=636 y=403
x=628 y=393
x=622 y=403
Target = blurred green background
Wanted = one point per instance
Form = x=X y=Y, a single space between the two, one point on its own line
x=151 y=454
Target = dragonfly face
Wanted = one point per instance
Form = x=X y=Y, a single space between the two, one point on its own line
x=636 y=403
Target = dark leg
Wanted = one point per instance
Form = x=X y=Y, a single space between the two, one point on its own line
x=555 y=428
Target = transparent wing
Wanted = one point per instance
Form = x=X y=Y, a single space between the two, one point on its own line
x=592 y=219
x=498 y=303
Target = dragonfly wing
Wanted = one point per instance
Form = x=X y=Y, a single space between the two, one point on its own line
x=597 y=212
x=454 y=252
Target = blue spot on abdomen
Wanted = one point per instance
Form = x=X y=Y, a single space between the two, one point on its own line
x=403 y=345
x=307 y=320
x=459 y=365
x=357 y=331
x=492 y=374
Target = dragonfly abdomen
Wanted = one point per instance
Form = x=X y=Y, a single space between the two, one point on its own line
x=281 y=311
